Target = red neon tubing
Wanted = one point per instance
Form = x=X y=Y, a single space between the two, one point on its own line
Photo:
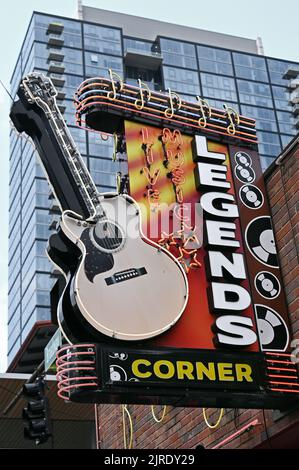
x=236 y=434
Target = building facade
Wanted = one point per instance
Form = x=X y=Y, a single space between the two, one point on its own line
x=191 y=62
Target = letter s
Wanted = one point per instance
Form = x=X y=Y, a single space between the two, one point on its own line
x=235 y=331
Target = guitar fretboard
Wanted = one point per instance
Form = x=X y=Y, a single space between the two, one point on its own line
x=39 y=90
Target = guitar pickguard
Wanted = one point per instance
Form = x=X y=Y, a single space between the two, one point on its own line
x=95 y=261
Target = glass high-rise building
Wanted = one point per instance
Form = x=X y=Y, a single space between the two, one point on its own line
x=217 y=67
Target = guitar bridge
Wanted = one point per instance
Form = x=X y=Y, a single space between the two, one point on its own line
x=125 y=276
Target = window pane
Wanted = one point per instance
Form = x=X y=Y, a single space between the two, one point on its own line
x=178 y=53
x=101 y=39
x=214 y=60
x=185 y=81
x=98 y=64
x=265 y=118
x=221 y=88
x=255 y=93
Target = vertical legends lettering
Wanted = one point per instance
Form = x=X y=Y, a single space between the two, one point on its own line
x=225 y=268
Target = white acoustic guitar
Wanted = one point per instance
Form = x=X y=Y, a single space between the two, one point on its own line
x=117 y=286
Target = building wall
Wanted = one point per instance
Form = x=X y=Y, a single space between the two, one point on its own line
x=144 y=28
x=185 y=428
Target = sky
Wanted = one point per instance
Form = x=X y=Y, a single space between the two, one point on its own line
x=273 y=20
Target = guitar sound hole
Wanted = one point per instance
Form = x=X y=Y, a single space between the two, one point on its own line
x=108 y=236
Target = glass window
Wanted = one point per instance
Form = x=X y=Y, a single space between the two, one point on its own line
x=28 y=327
x=79 y=136
x=277 y=69
x=178 y=53
x=71 y=34
x=251 y=67
x=101 y=39
x=104 y=179
x=98 y=147
x=98 y=64
x=13 y=350
x=72 y=83
x=266 y=161
x=286 y=122
x=286 y=139
x=256 y=94
x=269 y=144
x=15 y=81
x=214 y=60
x=73 y=61
x=139 y=46
x=220 y=88
x=70 y=113
x=265 y=118
x=281 y=98
x=101 y=164
x=185 y=81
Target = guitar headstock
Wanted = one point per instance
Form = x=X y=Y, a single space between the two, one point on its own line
x=39 y=89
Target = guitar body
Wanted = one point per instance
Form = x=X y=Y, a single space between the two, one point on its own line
x=119 y=283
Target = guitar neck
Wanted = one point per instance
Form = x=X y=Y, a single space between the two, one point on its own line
x=66 y=171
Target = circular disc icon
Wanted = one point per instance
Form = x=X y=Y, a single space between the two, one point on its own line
x=267 y=285
x=118 y=374
x=260 y=241
x=245 y=174
x=251 y=196
x=273 y=332
x=243 y=159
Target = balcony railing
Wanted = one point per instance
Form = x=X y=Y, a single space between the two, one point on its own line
x=56 y=67
x=55 y=40
x=58 y=80
x=142 y=58
x=152 y=85
x=291 y=72
x=56 y=55
x=293 y=84
x=56 y=28
x=294 y=97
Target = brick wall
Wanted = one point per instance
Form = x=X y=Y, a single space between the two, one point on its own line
x=185 y=428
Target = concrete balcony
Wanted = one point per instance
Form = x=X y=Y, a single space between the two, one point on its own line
x=293 y=84
x=55 y=28
x=61 y=94
x=58 y=80
x=53 y=224
x=296 y=110
x=291 y=72
x=61 y=107
x=294 y=97
x=56 y=67
x=55 y=40
x=143 y=59
x=55 y=55
x=54 y=207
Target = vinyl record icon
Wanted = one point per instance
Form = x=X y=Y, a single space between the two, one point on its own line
x=267 y=285
x=245 y=174
x=243 y=159
x=273 y=332
x=260 y=241
x=118 y=374
x=251 y=197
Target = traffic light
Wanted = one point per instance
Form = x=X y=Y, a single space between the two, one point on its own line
x=37 y=412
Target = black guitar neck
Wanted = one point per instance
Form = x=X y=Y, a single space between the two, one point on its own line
x=62 y=162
